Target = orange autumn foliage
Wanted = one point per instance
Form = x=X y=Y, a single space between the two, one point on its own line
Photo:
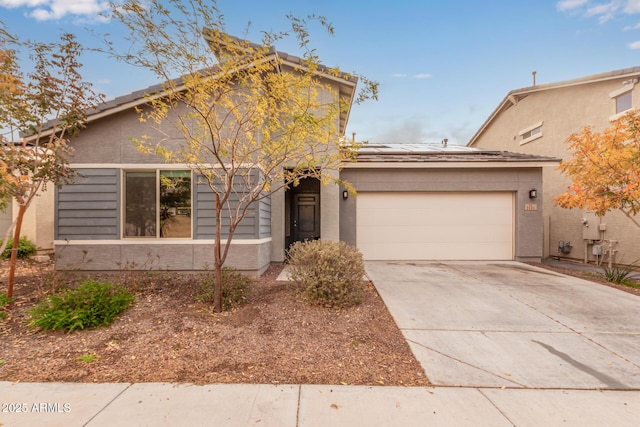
x=605 y=169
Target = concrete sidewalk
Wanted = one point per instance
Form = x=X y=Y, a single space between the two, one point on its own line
x=162 y=404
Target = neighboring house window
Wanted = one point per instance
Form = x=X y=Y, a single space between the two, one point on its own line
x=530 y=133
x=623 y=102
x=623 y=99
x=157 y=204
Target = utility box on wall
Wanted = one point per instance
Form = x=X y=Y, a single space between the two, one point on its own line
x=590 y=226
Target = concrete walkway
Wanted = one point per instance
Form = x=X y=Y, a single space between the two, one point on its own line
x=505 y=344
x=157 y=404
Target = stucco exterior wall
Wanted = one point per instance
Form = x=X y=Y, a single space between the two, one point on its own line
x=109 y=140
x=37 y=224
x=562 y=111
x=248 y=257
x=528 y=223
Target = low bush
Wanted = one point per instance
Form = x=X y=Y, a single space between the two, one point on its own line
x=4 y=303
x=619 y=273
x=26 y=248
x=92 y=304
x=327 y=273
x=234 y=288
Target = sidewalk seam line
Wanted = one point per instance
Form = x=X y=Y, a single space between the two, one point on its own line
x=465 y=363
x=496 y=406
x=298 y=409
x=107 y=405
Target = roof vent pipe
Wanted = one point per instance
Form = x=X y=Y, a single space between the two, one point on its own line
x=445 y=141
x=534 y=77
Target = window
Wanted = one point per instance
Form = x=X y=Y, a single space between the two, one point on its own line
x=530 y=133
x=623 y=99
x=623 y=102
x=157 y=204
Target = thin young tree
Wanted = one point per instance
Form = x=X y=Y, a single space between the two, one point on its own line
x=605 y=169
x=249 y=125
x=46 y=105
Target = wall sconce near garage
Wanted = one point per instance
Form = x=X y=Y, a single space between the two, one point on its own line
x=345 y=194
x=533 y=193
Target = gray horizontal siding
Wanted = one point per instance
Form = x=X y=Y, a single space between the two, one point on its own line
x=264 y=214
x=88 y=209
x=205 y=216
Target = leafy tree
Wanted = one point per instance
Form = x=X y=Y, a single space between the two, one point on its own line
x=48 y=104
x=605 y=169
x=250 y=125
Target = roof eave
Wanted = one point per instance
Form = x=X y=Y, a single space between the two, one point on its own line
x=444 y=164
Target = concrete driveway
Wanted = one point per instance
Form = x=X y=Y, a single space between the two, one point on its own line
x=509 y=324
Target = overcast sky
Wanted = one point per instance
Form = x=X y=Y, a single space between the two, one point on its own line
x=443 y=65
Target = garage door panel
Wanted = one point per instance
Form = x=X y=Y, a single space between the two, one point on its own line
x=435 y=225
x=413 y=234
x=444 y=252
x=381 y=217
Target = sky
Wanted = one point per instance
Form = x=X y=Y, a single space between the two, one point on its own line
x=443 y=65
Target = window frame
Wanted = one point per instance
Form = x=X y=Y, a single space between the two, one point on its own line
x=158 y=203
x=615 y=95
x=529 y=130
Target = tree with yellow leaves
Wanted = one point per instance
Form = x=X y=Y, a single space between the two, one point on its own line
x=605 y=169
x=48 y=104
x=251 y=123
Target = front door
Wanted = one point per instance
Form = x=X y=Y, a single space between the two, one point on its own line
x=305 y=217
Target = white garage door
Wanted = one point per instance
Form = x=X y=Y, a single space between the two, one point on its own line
x=435 y=226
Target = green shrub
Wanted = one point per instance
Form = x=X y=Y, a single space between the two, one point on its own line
x=328 y=273
x=619 y=273
x=234 y=288
x=26 y=248
x=4 y=302
x=90 y=305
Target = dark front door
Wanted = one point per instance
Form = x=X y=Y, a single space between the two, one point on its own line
x=305 y=217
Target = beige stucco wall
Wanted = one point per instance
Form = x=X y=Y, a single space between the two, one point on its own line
x=37 y=224
x=6 y=218
x=564 y=111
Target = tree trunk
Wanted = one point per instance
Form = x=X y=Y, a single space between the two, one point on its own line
x=14 y=251
x=217 y=292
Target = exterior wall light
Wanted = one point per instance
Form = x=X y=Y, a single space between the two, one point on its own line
x=533 y=193
x=345 y=194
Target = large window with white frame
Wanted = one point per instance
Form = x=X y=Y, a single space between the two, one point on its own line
x=157 y=203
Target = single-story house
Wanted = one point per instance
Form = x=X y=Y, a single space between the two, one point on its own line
x=537 y=120
x=413 y=202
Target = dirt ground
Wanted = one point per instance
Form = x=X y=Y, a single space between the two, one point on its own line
x=169 y=336
x=594 y=277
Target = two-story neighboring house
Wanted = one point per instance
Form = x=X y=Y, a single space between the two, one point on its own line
x=538 y=120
